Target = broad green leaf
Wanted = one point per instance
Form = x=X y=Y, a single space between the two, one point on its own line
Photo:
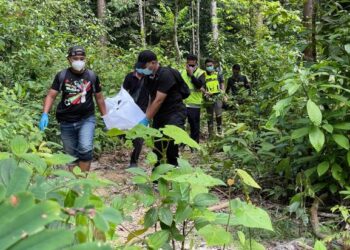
x=183 y=212
x=137 y=171
x=48 y=240
x=241 y=237
x=158 y=239
x=328 y=128
x=150 y=217
x=115 y=132
x=29 y=222
x=151 y=158
x=322 y=168
x=205 y=200
x=180 y=136
x=2 y=193
x=319 y=245
x=165 y=215
x=100 y=222
x=19 y=145
x=138 y=179
x=342 y=126
x=247 y=179
x=136 y=233
x=316 y=138
x=249 y=215
x=299 y=133
x=19 y=181
x=314 y=113
x=7 y=168
x=112 y=215
x=37 y=162
x=341 y=140
x=4 y=155
x=215 y=235
x=59 y=159
x=161 y=170
x=193 y=176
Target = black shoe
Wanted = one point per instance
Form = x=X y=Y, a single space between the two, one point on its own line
x=132 y=165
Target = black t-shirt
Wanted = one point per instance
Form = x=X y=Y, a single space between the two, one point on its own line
x=164 y=81
x=234 y=81
x=77 y=96
x=136 y=89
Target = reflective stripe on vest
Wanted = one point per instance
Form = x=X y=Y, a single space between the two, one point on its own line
x=212 y=83
x=196 y=96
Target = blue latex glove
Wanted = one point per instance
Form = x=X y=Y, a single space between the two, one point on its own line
x=44 y=121
x=144 y=122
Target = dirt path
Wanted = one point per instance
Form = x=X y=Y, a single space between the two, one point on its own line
x=112 y=167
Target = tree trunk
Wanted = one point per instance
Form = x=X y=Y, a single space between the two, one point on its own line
x=193 y=44
x=198 y=31
x=142 y=24
x=310 y=25
x=176 y=42
x=214 y=21
x=101 y=14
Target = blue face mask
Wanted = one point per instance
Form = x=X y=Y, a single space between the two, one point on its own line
x=140 y=71
x=210 y=68
x=147 y=72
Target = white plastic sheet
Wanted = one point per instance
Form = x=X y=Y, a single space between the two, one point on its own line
x=122 y=111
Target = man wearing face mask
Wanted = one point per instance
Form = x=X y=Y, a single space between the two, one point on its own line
x=214 y=86
x=236 y=81
x=166 y=105
x=76 y=111
x=134 y=84
x=195 y=79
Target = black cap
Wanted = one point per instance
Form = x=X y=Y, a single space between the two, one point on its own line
x=145 y=57
x=76 y=51
x=139 y=65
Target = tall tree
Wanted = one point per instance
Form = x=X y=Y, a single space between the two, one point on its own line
x=176 y=42
x=310 y=24
x=214 y=21
x=193 y=43
x=142 y=23
x=101 y=14
x=198 y=29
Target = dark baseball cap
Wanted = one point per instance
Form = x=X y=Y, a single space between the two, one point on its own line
x=76 y=51
x=145 y=57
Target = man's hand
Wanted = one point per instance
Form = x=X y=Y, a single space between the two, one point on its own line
x=144 y=122
x=189 y=70
x=44 y=121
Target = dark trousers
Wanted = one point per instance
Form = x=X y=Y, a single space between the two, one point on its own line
x=217 y=109
x=137 y=143
x=168 y=151
x=194 y=119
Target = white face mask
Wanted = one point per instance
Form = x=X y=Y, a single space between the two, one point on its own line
x=78 y=65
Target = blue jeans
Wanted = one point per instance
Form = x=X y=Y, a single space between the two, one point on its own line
x=78 y=138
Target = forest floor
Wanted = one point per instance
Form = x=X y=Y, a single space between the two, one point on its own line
x=289 y=234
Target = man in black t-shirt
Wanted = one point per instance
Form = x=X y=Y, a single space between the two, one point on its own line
x=166 y=105
x=236 y=81
x=134 y=84
x=75 y=112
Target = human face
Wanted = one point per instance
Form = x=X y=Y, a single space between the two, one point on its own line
x=235 y=72
x=192 y=63
x=151 y=66
x=209 y=67
x=76 y=58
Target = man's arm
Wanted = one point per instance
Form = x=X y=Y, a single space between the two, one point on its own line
x=49 y=100
x=229 y=86
x=101 y=103
x=155 y=105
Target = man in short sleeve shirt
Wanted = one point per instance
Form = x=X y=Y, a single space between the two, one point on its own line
x=166 y=104
x=76 y=110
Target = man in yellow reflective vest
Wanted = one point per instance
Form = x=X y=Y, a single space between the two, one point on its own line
x=195 y=79
x=214 y=86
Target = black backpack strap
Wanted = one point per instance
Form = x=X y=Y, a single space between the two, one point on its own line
x=61 y=77
x=92 y=78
